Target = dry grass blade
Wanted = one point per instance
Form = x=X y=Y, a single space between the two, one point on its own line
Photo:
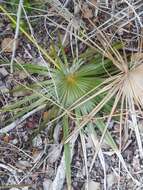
x=117 y=17
x=105 y=129
x=134 y=11
x=85 y=156
x=103 y=87
x=94 y=138
x=16 y=34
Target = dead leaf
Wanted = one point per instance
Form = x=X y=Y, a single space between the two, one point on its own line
x=23 y=164
x=7 y=45
x=45 y=116
x=93 y=2
x=30 y=123
x=36 y=154
x=22 y=75
x=135 y=84
x=6 y=139
x=87 y=12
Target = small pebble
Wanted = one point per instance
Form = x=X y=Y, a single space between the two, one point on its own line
x=37 y=142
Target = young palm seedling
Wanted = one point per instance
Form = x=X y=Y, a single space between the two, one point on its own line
x=72 y=81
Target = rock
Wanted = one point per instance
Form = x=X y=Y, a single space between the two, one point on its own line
x=3 y=88
x=37 y=142
x=47 y=184
x=25 y=188
x=3 y=71
x=55 y=152
x=140 y=125
x=89 y=143
x=111 y=180
x=92 y=185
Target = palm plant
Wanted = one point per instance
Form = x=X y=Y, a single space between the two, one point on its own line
x=75 y=91
x=64 y=94
x=82 y=90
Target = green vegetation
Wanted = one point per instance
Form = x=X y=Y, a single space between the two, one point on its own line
x=84 y=91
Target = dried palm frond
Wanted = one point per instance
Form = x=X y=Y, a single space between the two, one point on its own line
x=126 y=86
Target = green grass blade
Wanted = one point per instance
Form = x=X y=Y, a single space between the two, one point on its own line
x=67 y=152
